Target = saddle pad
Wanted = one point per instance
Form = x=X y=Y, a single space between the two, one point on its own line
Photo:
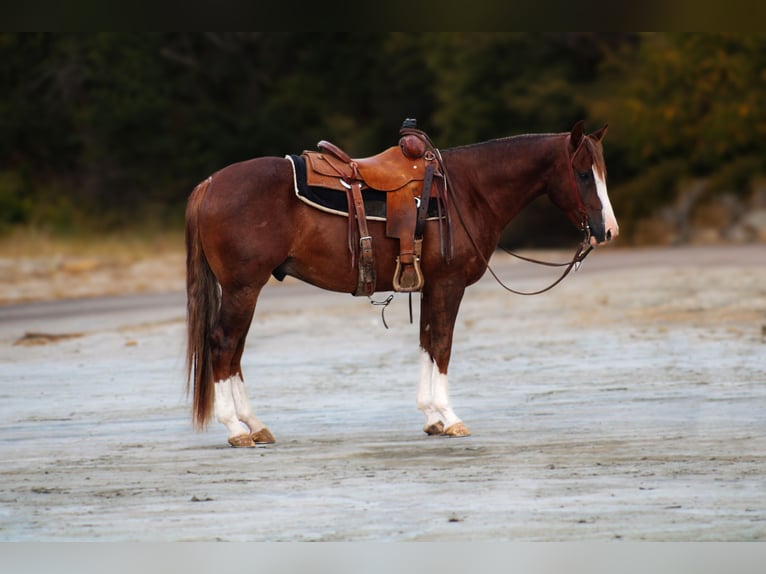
x=334 y=201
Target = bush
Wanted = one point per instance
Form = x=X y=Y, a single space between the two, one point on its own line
x=14 y=206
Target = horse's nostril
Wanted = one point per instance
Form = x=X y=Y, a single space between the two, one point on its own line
x=609 y=235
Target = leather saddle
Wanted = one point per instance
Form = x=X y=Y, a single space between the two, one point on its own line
x=409 y=174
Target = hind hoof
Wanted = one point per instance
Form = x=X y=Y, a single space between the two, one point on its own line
x=458 y=429
x=241 y=441
x=434 y=429
x=263 y=436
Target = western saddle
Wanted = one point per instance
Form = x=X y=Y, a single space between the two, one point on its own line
x=410 y=174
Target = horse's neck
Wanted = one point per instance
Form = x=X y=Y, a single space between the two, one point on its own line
x=504 y=174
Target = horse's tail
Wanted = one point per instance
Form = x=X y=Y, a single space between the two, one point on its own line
x=203 y=302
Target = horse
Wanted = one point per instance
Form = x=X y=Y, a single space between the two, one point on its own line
x=245 y=224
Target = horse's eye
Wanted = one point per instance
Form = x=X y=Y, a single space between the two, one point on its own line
x=583 y=175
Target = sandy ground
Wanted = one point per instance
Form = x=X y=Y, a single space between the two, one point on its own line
x=628 y=403
x=45 y=278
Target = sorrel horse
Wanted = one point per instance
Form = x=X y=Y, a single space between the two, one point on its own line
x=244 y=223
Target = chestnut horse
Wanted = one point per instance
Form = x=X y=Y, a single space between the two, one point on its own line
x=244 y=223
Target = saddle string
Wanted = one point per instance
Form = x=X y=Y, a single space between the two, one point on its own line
x=348 y=181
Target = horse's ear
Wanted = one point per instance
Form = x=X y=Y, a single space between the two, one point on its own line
x=599 y=135
x=576 y=135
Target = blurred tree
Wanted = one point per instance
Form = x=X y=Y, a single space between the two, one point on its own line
x=112 y=128
x=683 y=106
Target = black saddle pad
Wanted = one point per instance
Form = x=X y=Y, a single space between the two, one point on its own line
x=335 y=201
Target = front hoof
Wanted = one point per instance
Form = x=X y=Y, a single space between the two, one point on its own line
x=263 y=436
x=434 y=429
x=458 y=429
x=241 y=441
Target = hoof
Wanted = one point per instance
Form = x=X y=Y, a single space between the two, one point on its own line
x=436 y=428
x=263 y=436
x=458 y=429
x=241 y=441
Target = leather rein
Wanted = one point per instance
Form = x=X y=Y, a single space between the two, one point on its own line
x=580 y=254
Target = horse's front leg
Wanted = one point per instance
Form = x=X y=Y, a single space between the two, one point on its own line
x=438 y=313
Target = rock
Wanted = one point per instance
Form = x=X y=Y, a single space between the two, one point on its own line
x=754 y=224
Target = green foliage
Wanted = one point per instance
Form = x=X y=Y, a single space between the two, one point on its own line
x=690 y=95
x=684 y=105
x=106 y=129
x=495 y=84
x=14 y=207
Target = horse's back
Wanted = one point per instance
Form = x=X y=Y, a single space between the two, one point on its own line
x=260 y=175
x=247 y=191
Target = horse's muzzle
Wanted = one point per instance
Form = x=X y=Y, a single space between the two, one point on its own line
x=603 y=235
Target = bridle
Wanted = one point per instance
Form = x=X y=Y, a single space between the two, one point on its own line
x=582 y=250
x=584 y=226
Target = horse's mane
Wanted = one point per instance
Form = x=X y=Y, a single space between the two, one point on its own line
x=510 y=140
x=593 y=147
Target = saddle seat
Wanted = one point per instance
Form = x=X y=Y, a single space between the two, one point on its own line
x=387 y=171
x=406 y=178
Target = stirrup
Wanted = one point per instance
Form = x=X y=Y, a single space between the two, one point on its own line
x=404 y=282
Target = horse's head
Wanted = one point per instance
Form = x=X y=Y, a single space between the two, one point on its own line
x=582 y=194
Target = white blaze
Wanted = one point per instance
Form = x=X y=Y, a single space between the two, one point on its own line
x=607 y=213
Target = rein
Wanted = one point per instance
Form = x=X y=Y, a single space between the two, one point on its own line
x=577 y=259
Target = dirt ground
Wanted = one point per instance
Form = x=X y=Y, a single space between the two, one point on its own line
x=628 y=403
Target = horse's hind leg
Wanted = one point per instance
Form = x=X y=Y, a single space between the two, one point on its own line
x=258 y=431
x=232 y=407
